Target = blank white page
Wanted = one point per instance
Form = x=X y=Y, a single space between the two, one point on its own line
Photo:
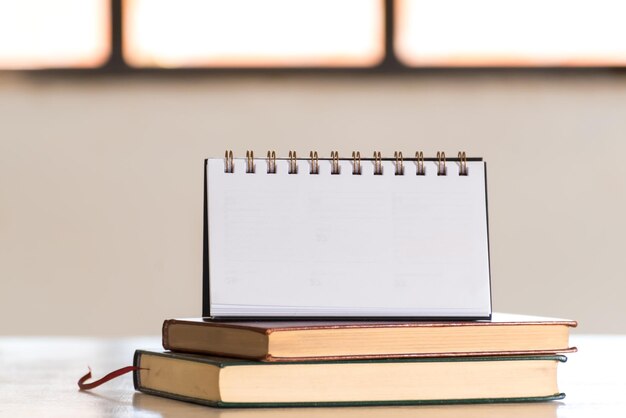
x=307 y=245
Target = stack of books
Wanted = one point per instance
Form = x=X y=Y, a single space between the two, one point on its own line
x=343 y=238
x=510 y=358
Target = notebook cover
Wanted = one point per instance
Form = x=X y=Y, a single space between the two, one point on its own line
x=206 y=296
x=224 y=362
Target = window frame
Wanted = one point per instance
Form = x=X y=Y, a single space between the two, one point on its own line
x=389 y=65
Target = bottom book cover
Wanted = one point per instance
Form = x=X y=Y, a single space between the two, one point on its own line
x=234 y=383
x=168 y=408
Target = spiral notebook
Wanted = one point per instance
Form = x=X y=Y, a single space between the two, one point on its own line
x=364 y=238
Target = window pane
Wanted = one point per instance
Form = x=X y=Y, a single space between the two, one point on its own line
x=511 y=33
x=253 y=33
x=59 y=33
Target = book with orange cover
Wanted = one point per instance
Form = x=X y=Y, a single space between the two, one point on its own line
x=504 y=334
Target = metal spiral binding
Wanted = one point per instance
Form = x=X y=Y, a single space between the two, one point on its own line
x=249 y=161
x=399 y=163
x=356 y=162
x=334 y=155
x=271 y=162
x=441 y=163
x=462 y=164
x=293 y=163
x=378 y=163
x=229 y=167
x=315 y=164
x=419 y=160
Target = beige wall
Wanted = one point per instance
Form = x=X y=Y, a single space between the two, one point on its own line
x=101 y=183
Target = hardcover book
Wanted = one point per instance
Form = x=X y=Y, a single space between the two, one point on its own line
x=224 y=382
x=163 y=408
x=504 y=334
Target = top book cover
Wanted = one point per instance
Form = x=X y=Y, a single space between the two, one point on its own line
x=504 y=334
x=366 y=239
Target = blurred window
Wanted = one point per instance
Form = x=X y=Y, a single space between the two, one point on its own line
x=54 y=33
x=510 y=33
x=121 y=35
x=253 y=33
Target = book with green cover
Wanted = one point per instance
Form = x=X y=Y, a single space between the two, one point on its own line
x=163 y=408
x=227 y=382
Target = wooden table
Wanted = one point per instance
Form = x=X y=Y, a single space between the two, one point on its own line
x=38 y=378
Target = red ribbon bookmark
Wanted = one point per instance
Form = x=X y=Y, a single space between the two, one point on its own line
x=86 y=386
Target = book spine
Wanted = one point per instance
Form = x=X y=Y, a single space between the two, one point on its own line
x=136 y=362
x=165 y=335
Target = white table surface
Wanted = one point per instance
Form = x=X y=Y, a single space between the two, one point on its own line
x=38 y=378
